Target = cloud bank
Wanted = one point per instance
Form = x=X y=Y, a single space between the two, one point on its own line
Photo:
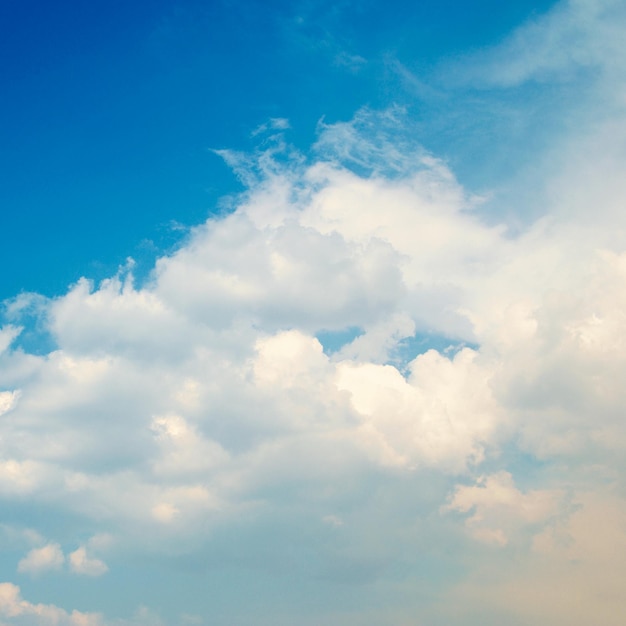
x=356 y=355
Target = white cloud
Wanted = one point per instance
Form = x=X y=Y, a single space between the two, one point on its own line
x=184 y=451
x=20 y=612
x=81 y=563
x=202 y=400
x=499 y=510
x=47 y=558
x=20 y=477
x=191 y=379
x=8 y=399
x=573 y=575
x=442 y=415
x=289 y=359
x=573 y=34
x=7 y=335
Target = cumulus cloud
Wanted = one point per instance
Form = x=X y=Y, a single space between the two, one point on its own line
x=22 y=612
x=188 y=378
x=38 y=560
x=442 y=415
x=573 y=573
x=210 y=396
x=499 y=509
x=8 y=399
x=207 y=399
x=81 y=562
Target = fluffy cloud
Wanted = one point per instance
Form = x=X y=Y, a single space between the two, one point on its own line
x=38 y=560
x=475 y=386
x=442 y=414
x=498 y=509
x=22 y=612
x=7 y=401
x=81 y=563
x=204 y=395
x=573 y=574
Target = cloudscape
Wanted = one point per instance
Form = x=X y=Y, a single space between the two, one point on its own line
x=313 y=314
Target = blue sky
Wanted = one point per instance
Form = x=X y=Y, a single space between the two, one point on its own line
x=110 y=109
x=312 y=313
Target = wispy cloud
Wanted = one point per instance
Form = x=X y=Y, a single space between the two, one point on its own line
x=574 y=35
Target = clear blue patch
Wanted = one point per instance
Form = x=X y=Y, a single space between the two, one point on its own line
x=410 y=347
x=35 y=337
x=36 y=342
x=527 y=470
x=334 y=340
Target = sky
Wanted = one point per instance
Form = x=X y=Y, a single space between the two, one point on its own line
x=312 y=313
